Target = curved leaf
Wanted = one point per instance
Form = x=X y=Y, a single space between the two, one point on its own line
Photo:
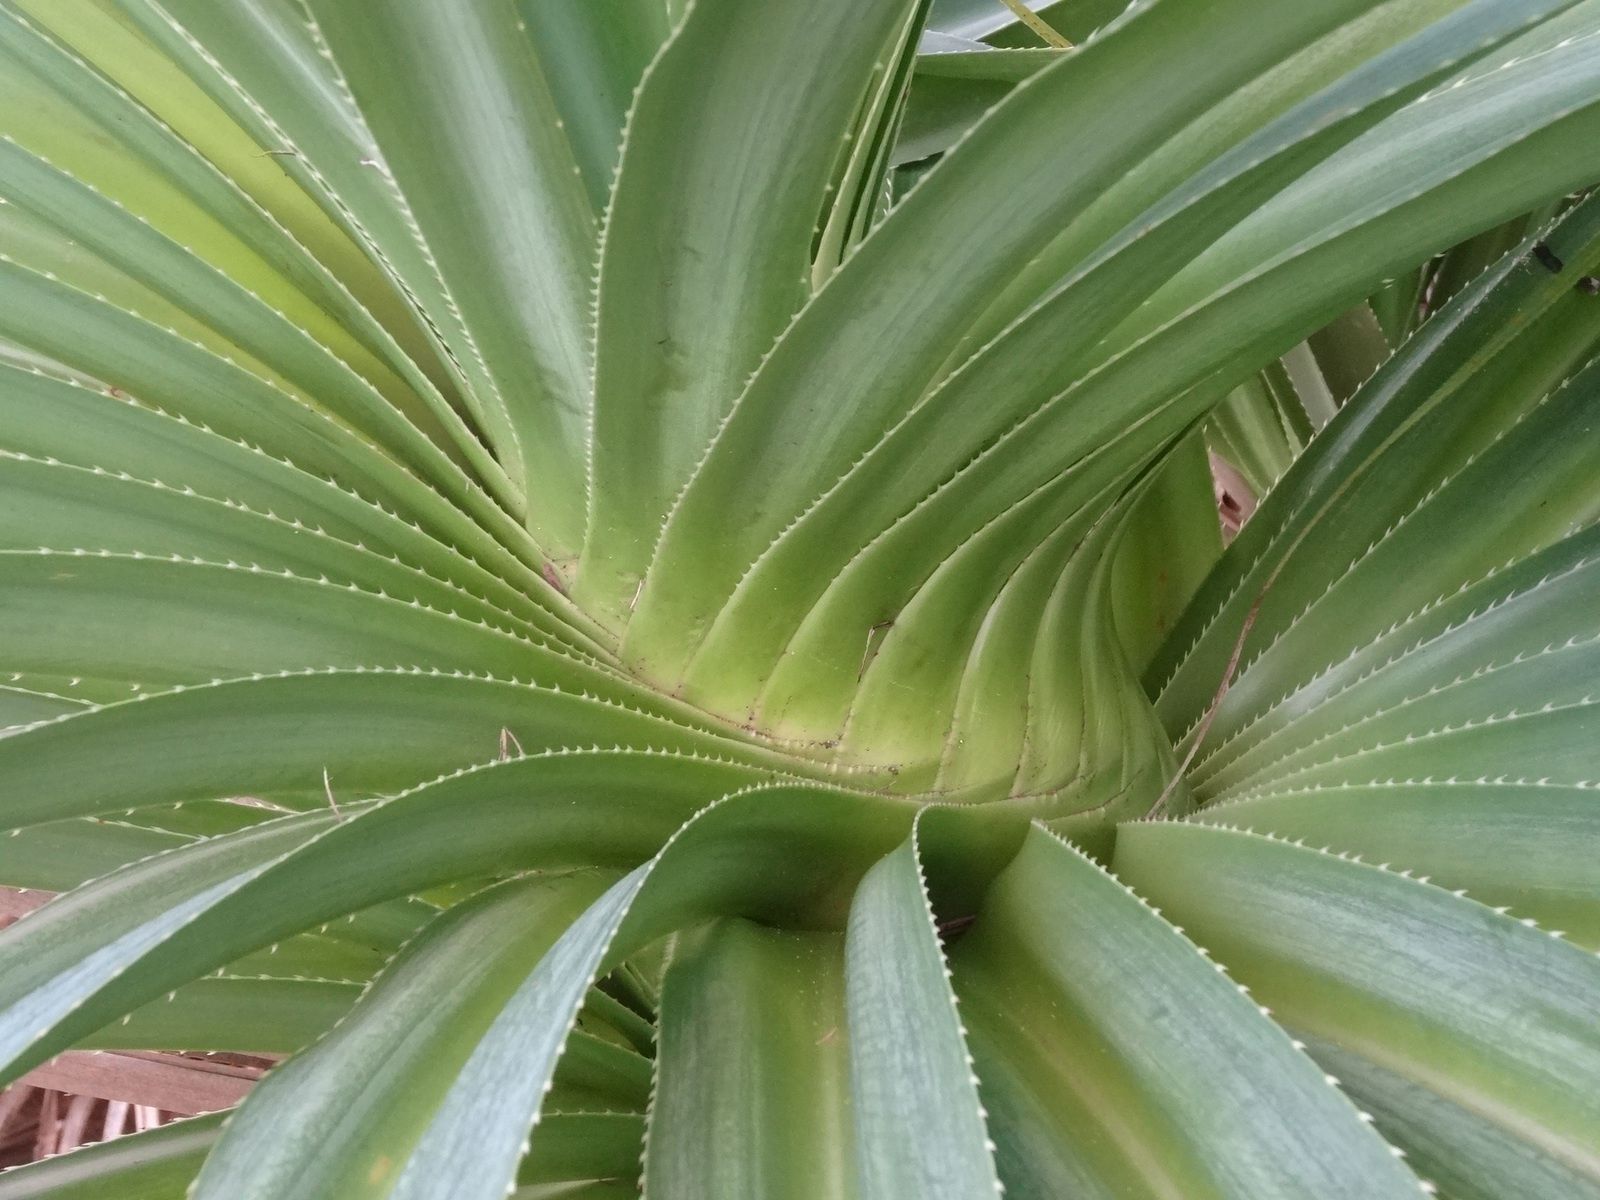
x=1116 y=1060
x=919 y=1127
x=1408 y=977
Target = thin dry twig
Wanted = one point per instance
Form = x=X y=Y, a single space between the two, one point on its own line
x=1204 y=727
x=1038 y=24
x=508 y=740
x=327 y=790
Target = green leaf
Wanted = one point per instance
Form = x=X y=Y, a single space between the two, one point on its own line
x=244 y=320
x=861 y=191
x=1439 y=669
x=941 y=109
x=726 y=861
x=61 y=954
x=1171 y=540
x=750 y=97
x=586 y=1146
x=500 y=1090
x=598 y=1076
x=508 y=446
x=1347 y=352
x=1115 y=1060
x=256 y=1015
x=189 y=620
x=863 y=358
x=514 y=251
x=1526 y=844
x=96 y=953
x=1260 y=429
x=1418 y=982
x=928 y=469
x=20 y=706
x=237 y=216
x=354 y=1107
x=372 y=731
x=919 y=1128
x=57 y=856
x=753 y=1071
x=60 y=505
x=1466 y=1153
x=593 y=57
x=134 y=356
x=1445 y=395
x=283 y=103
x=95 y=427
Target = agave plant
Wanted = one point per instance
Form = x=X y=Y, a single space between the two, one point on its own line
x=612 y=580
